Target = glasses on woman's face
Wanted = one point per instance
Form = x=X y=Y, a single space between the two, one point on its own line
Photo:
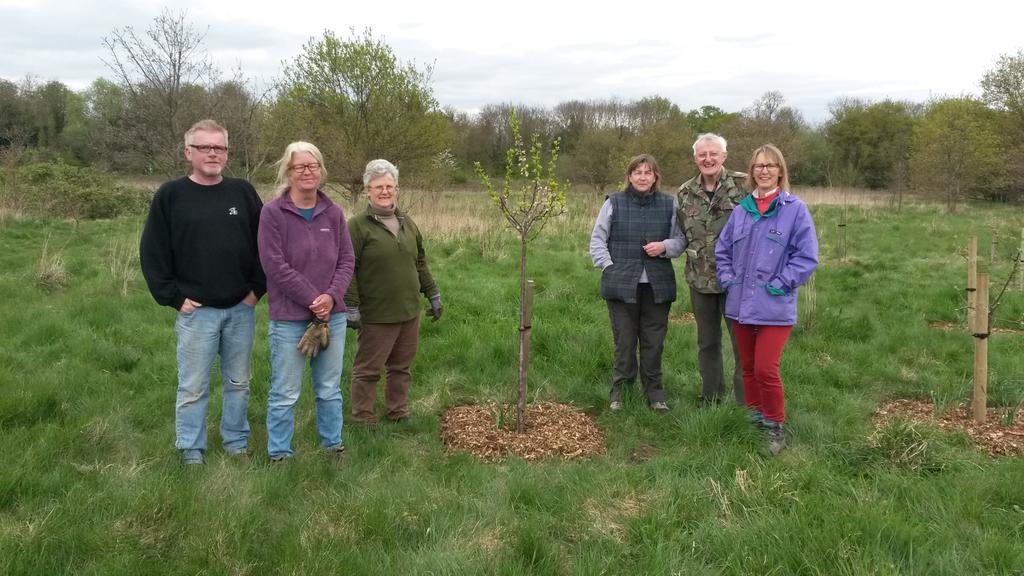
x=312 y=168
x=763 y=167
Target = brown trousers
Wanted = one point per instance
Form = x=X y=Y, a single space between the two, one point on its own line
x=391 y=347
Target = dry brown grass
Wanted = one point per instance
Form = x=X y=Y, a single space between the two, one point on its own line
x=861 y=197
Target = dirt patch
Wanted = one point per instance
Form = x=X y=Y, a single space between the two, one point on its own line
x=552 y=431
x=643 y=453
x=955 y=327
x=684 y=318
x=994 y=437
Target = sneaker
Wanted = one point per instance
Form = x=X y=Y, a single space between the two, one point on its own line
x=776 y=440
x=659 y=406
x=338 y=454
x=191 y=457
x=615 y=406
x=279 y=458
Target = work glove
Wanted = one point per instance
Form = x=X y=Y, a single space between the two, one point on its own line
x=355 y=320
x=774 y=291
x=316 y=338
x=325 y=334
x=435 y=307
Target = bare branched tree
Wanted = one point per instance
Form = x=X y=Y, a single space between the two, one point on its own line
x=167 y=75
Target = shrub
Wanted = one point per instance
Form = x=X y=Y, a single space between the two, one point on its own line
x=65 y=191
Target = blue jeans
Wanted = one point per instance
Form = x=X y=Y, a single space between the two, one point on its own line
x=287 y=366
x=202 y=335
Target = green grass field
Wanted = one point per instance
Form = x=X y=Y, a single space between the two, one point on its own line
x=90 y=482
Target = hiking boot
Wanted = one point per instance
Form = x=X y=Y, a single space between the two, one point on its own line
x=659 y=406
x=776 y=440
x=615 y=406
x=757 y=418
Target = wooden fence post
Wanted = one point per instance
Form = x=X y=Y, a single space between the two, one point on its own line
x=979 y=391
x=972 y=280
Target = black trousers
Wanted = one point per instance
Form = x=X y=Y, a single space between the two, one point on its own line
x=709 y=312
x=641 y=325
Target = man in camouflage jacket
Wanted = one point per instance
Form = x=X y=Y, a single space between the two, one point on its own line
x=705 y=203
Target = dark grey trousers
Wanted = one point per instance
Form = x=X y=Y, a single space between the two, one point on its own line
x=643 y=324
x=709 y=312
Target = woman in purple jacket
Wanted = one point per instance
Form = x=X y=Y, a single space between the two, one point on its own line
x=767 y=249
x=307 y=255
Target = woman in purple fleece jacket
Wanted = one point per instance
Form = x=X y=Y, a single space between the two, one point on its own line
x=766 y=250
x=307 y=255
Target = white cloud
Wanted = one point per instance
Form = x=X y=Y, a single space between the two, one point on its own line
x=543 y=52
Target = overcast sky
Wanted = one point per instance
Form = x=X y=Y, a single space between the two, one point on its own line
x=724 y=53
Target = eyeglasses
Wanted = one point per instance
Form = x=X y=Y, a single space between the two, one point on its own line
x=312 y=168
x=383 y=188
x=768 y=166
x=206 y=148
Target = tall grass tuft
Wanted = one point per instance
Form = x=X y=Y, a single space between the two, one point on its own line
x=51 y=274
x=122 y=261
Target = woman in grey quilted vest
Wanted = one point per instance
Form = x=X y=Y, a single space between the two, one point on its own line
x=635 y=236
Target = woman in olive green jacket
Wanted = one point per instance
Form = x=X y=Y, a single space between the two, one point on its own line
x=383 y=299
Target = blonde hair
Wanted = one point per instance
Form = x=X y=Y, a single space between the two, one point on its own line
x=775 y=155
x=282 y=184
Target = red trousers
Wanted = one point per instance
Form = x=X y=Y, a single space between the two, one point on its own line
x=760 y=350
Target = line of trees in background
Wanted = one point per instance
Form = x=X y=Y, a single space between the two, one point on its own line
x=358 y=100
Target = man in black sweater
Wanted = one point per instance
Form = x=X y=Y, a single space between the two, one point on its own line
x=199 y=256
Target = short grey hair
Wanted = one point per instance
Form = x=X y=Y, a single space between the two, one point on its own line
x=711 y=137
x=206 y=125
x=377 y=168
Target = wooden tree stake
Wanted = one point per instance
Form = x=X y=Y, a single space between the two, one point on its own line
x=995 y=246
x=524 y=355
x=1020 y=268
x=979 y=391
x=972 y=281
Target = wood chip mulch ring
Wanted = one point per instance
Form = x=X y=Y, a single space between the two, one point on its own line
x=552 y=431
x=992 y=436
